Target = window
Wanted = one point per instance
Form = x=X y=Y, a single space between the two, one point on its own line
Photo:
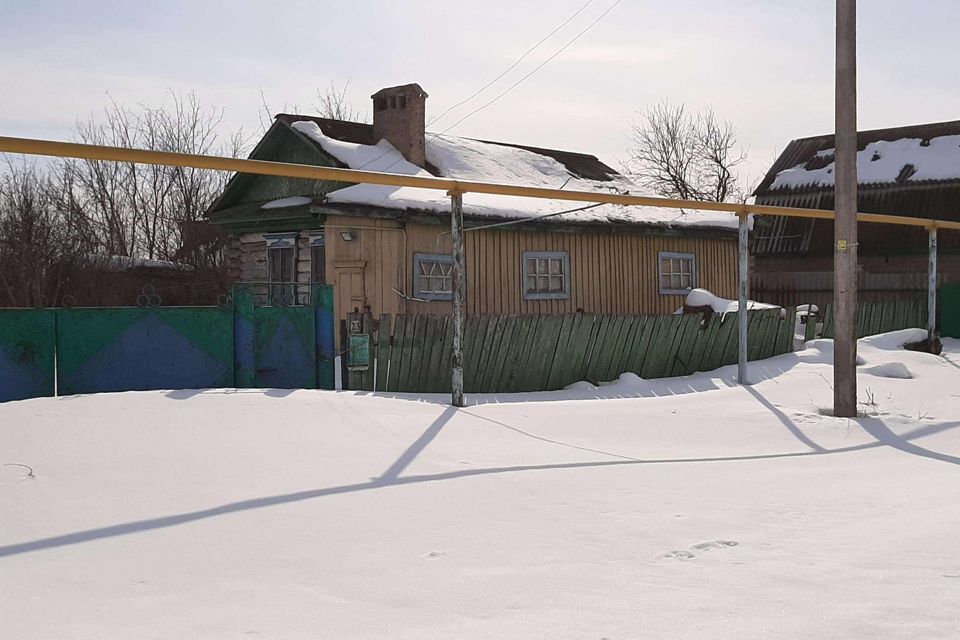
x=546 y=275
x=281 y=260
x=678 y=272
x=433 y=276
x=318 y=258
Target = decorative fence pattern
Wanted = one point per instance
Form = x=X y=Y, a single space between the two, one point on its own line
x=507 y=354
x=93 y=350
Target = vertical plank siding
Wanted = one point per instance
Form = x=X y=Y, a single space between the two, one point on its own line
x=542 y=352
x=612 y=271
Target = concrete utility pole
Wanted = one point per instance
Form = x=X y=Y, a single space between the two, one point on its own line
x=845 y=222
x=459 y=271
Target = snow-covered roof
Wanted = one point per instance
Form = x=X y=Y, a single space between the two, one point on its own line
x=475 y=160
x=883 y=161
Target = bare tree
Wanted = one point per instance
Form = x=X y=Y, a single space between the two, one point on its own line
x=141 y=210
x=681 y=155
x=38 y=239
x=332 y=102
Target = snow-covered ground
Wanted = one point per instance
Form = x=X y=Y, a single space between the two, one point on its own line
x=681 y=508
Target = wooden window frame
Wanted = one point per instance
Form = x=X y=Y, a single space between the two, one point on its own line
x=318 y=245
x=564 y=256
x=281 y=288
x=431 y=296
x=672 y=255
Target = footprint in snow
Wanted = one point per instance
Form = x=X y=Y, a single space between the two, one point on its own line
x=682 y=554
x=435 y=554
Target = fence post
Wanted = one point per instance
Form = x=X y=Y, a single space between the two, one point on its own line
x=322 y=301
x=244 y=339
x=744 y=253
x=932 y=290
x=459 y=272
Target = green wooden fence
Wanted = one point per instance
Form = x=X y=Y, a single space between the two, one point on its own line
x=507 y=354
x=880 y=317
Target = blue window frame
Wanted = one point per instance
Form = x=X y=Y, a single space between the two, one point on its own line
x=546 y=275
x=677 y=272
x=433 y=276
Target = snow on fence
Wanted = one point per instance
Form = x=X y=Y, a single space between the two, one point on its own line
x=508 y=354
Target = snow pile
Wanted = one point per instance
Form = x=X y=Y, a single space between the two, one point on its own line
x=704 y=298
x=680 y=506
x=884 y=161
x=465 y=159
x=282 y=203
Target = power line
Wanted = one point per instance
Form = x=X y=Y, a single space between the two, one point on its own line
x=514 y=65
x=535 y=69
x=511 y=87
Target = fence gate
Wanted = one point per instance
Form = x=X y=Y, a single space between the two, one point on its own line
x=284 y=347
x=27 y=343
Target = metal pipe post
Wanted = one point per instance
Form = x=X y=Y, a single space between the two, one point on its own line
x=459 y=279
x=845 y=220
x=744 y=255
x=932 y=289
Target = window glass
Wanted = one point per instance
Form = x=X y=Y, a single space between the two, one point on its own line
x=546 y=275
x=434 y=276
x=678 y=272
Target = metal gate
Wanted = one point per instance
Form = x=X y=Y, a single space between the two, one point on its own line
x=27 y=344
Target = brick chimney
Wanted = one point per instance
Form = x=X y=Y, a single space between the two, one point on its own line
x=398 y=117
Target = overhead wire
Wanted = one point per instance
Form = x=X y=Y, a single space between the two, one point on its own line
x=511 y=87
x=514 y=65
x=535 y=69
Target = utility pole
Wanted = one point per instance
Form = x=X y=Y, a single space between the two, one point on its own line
x=845 y=221
x=743 y=277
x=459 y=271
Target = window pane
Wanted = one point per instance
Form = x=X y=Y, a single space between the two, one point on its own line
x=556 y=284
x=542 y=265
x=531 y=267
x=446 y=284
x=665 y=265
x=318 y=263
x=675 y=282
x=556 y=267
x=665 y=281
x=531 y=283
x=685 y=279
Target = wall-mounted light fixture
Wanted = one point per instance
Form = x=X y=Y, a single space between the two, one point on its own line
x=348 y=236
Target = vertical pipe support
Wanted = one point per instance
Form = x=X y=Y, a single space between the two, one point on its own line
x=932 y=289
x=742 y=279
x=459 y=281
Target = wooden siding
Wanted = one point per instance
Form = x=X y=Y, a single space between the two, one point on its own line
x=610 y=273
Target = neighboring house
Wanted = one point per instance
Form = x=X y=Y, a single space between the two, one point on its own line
x=387 y=249
x=907 y=171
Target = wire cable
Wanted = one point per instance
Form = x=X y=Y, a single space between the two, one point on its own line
x=514 y=65
x=535 y=69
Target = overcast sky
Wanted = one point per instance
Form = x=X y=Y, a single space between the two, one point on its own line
x=767 y=66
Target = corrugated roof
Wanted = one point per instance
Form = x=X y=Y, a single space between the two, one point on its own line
x=807 y=151
x=581 y=165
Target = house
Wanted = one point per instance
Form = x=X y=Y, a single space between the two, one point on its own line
x=387 y=249
x=906 y=171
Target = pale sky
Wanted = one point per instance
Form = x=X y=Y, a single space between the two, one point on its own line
x=765 y=65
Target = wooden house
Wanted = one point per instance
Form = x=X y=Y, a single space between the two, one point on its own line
x=907 y=171
x=387 y=249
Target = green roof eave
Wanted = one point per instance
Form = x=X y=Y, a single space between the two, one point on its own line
x=251 y=217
